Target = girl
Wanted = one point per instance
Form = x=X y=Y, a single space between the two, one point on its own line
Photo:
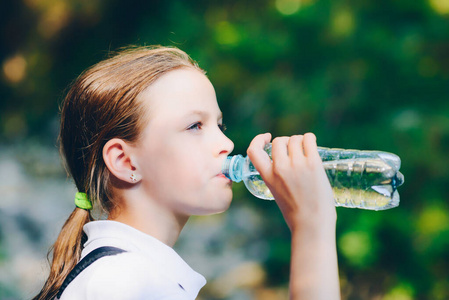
x=142 y=137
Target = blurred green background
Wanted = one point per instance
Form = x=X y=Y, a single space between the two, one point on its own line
x=366 y=74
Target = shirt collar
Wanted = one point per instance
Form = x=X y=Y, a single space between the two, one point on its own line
x=116 y=234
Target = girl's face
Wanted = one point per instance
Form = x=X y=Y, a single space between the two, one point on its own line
x=183 y=146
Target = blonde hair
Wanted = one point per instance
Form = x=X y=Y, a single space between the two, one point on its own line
x=102 y=104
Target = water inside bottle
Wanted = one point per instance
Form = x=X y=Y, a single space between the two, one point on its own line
x=364 y=183
x=359 y=183
x=257 y=186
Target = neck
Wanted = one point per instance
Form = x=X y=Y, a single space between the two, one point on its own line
x=151 y=219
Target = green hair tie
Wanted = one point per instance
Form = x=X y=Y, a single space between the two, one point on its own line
x=82 y=201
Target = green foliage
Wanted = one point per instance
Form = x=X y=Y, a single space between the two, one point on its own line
x=359 y=74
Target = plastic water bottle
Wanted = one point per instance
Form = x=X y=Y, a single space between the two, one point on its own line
x=359 y=179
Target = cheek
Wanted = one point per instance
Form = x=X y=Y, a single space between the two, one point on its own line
x=190 y=173
x=175 y=171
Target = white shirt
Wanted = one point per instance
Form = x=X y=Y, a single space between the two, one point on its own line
x=148 y=270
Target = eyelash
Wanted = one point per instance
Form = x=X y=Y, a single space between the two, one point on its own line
x=222 y=127
x=195 y=126
x=198 y=125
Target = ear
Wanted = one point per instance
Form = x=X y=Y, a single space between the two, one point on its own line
x=118 y=159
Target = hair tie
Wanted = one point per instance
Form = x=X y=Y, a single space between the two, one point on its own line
x=82 y=201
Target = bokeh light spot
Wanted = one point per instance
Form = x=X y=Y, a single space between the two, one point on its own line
x=433 y=219
x=227 y=34
x=400 y=292
x=440 y=6
x=14 y=68
x=288 y=7
x=407 y=119
x=54 y=19
x=343 y=22
x=356 y=247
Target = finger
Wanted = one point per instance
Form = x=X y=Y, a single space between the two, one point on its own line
x=279 y=151
x=310 y=146
x=295 y=147
x=257 y=154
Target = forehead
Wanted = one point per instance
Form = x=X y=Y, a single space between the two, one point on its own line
x=178 y=93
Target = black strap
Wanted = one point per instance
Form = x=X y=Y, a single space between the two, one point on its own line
x=85 y=262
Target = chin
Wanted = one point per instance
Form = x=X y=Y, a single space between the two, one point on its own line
x=216 y=206
x=223 y=209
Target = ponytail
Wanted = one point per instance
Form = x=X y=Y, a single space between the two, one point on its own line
x=66 y=252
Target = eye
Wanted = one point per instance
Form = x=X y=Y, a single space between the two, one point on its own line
x=222 y=127
x=195 y=126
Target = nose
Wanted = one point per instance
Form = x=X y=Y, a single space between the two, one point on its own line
x=226 y=145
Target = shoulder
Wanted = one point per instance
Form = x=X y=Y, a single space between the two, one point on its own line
x=124 y=276
x=125 y=268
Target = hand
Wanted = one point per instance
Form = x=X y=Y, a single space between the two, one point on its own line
x=296 y=178
x=302 y=191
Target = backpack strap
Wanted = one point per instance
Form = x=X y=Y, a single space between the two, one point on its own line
x=85 y=262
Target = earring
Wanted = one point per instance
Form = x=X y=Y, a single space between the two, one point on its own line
x=133 y=177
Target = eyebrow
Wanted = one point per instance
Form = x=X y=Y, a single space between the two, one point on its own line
x=203 y=113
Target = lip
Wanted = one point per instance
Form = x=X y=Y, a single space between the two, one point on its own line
x=221 y=175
